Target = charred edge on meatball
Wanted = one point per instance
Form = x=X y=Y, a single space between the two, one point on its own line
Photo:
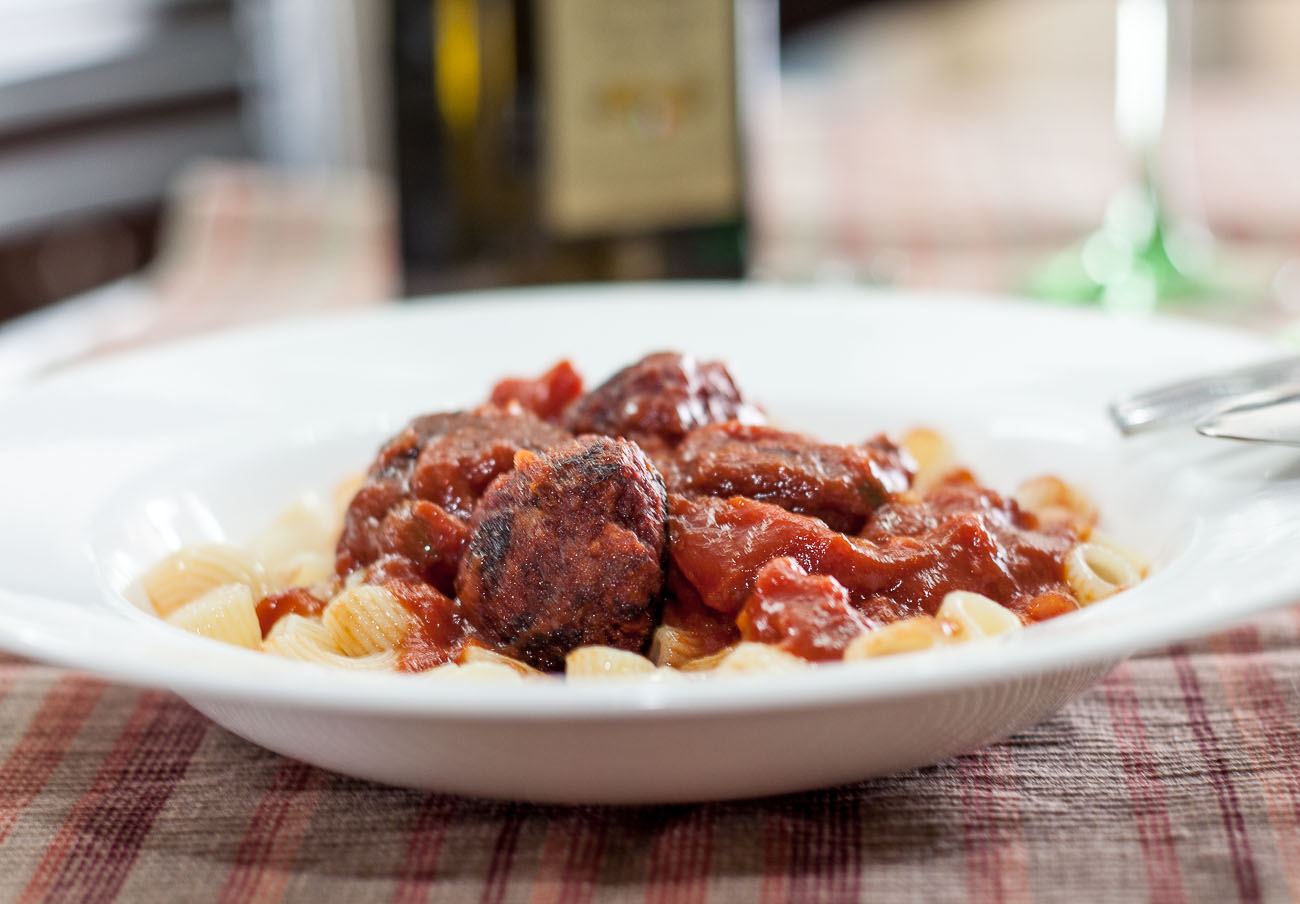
x=568 y=550
x=444 y=460
x=490 y=542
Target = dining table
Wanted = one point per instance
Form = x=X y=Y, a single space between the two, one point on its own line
x=1175 y=778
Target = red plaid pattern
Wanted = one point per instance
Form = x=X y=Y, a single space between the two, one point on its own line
x=1175 y=779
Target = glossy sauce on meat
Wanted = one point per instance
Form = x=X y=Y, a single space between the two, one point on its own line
x=676 y=506
x=985 y=543
x=841 y=485
x=422 y=487
x=660 y=399
x=959 y=537
x=809 y=615
x=547 y=396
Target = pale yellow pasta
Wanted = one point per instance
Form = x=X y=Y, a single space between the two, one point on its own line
x=1123 y=550
x=975 y=615
x=908 y=635
x=475 y=654
x=366 y=619
x=304 y=570
x=707 y=663
x=223 y=613
x=307 y=646
x=759 y=657
x=308 y=626
x=490 y=672
x=674 y=647
x=605 y=662
x=1054 y=501
x=298 y=542
x=933 y=453
x=1095 y=572
x=307 y=639
x=189 y=573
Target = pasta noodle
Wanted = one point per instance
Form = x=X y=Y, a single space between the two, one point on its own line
x=488 y=672
x=1053 y=501
x=298 y=547
x=1095 y=572
x=476 y=654
x=307 y=640
x=674 y=647
x=304 y=570
x=975 y=616
x=224 y=613
x=189 y=573
x=933 y=454
x=707 y=663
x=759 y=657
x=962 y=617
x=1123 y=550
x=605 y=662
x=909 y=635
x=306 y=628
x=366 y=619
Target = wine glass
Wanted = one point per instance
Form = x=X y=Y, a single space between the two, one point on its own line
x=1140 y=256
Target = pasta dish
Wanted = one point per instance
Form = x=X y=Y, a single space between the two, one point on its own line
x=656 y=526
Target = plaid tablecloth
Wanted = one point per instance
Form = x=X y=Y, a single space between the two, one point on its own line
x=1175 y=779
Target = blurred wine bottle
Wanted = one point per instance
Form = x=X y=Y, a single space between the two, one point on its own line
x=545 y=141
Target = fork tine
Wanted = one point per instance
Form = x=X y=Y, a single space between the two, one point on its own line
x=1186 y=400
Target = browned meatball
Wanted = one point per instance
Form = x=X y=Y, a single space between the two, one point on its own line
x=841 y=485
x=567 y=550
x=661 y=398
x=423 y=485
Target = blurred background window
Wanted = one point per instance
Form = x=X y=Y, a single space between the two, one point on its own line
x=101 y=103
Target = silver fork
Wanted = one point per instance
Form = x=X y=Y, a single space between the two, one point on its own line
x=1193 y=399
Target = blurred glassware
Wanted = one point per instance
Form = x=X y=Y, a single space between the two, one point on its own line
x=1142 y=254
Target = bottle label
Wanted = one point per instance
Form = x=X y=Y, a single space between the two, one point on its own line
x=640 y=114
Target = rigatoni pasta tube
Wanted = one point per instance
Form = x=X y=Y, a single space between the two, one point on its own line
x=1054 y=501
x=487 y=672
x=759 y=657
x=673 y=646
x=1095 y=572
x=366 y=619
x=909 y=635
x=307 y=640
x=595 y=662
x=932 y=453
x=976 y=616
x=189 y=573
x=223 y=613
x=475 y=654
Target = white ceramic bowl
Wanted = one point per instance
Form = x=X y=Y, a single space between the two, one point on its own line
x=106 y=468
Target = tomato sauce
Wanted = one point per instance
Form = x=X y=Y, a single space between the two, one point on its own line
x=960 y=536
x=770 y=536
x=806 y=614
x=294 y=601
